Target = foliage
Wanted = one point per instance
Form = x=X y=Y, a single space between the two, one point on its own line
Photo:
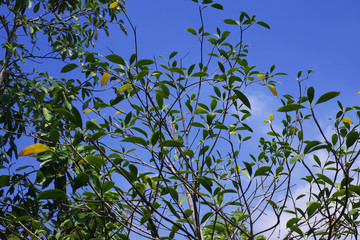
x=161 y=154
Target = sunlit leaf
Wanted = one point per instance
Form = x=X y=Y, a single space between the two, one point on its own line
x=347 y=120
x=121 y=111
x=232 y=133
x=237 y=169
x=105 y=79
x=273 y=90
x=271 y=117
x=261 y=76
x=113 y=5
x=34 y=149
x=152 y=182
x=123 y=88
x=358 y=92
x=89 y=110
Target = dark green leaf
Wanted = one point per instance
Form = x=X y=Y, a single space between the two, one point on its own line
x=52 y=194
x=171 y=143
x=292 y=221
x=80 y=180
x=217 y=6
x=115 y=59
x=68 y=68
x=191 y=30
x=310 y=145
x=108 y=185
x=242 y=98
x=134 y=139
x=200 y=74
x=144 y=62
x=325 y=179
x=4 y=180
x=310 y=94
x=230 y=21
x=327 y=96
x=262 y=171
x=312 y=207
x=290 y=107
x=263 y=24
x=351 y=138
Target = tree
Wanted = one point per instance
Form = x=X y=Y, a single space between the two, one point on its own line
x=161 y=154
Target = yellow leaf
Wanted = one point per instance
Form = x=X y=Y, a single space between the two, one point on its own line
x=358 y=92
x=211 y=113
x=121 y=111
x=89 y=110
x=113 y=5
x=347 y=120
x=261 y=76
x=271 y=117
x=153 y=184
x=34 y=149
x=105 y=79
x=273 y=90
x=266 y=121
x=232 y=133
x=237 y=169
x=123 y=88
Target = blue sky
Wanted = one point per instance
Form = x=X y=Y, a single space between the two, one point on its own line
x=319 y=35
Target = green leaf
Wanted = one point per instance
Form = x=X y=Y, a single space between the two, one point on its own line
x=52 y=194
x=339 y=193
x=191 y=30
x=327 y=96
x=68 y=68
x=310 y=145
x=144 y=62
x=295 y=158
x=107 y=186
x=312 y=207
x=206 y=217
x=80 y=180
x=206 y=182
x=4 y=180
x=265 y=25
x=200 y=74
x=171 y=143
x=160 y=99
x=95 y=161
x=134 y=139
x=292 y=221
x=243 y=98
x=351 y=138
x=115 y=59
x=310 y=94
x=262 y=171
x=68 y=115
x=290 y=107
x=230 y=21
x=200 y=111
x=325 y=179
x=217 y=6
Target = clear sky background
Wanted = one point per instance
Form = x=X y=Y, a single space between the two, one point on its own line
x=319 y=35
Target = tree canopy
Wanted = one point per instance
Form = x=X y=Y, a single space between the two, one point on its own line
x=125 y=147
